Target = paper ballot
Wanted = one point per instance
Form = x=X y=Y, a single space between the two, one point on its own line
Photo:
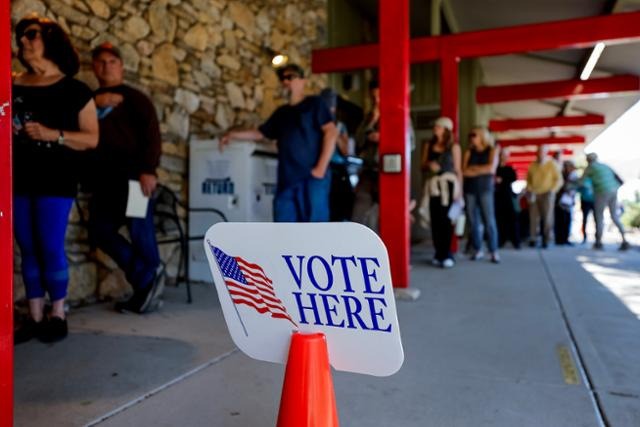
x=137 y=202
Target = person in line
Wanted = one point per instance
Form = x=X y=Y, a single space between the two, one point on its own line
x=441 y=161
x=564 y=204
x=587 y=204
x=478 y=168
x=54 y=117
x=341 y=193
x=543 y=182
x=365 y=207
x=605 y=188
x=129 y=149
x=306 y=137
x=506 y=203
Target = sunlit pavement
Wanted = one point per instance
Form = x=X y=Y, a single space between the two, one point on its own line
x=486 y=345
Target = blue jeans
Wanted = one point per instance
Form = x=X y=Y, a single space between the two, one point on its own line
x=306 y=201
x=40 y=225
x=480 y=210
x=139 y=257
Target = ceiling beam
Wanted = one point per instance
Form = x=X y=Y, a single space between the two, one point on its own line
x=562 y=140
x=546 y=122
x=518 y=156
x=573 y=33
x=609 y=8
x=565 y=89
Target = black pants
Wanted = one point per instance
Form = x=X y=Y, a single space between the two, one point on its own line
x=562 y=225
x=441 y=226
x=341 y=195
x=508 y=220
x=587 y=208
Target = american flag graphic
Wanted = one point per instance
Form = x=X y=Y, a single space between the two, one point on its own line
x=249 y=285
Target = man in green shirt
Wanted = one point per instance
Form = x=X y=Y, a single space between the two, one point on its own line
x=605 y=188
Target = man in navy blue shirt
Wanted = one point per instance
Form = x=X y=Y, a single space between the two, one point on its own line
x=306 y=136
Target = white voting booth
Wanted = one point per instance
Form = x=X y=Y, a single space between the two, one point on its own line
x=239 y=182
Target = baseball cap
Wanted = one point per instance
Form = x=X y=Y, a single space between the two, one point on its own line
x=106 y=47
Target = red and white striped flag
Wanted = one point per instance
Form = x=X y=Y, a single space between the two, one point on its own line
x=249 y=285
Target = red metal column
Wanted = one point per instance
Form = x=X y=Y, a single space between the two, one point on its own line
x=6 y=231
x=394 y=116
x=449 y=84
x=449 y=90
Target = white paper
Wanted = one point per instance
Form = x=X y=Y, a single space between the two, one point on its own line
x=137 y=202
x=455 y=210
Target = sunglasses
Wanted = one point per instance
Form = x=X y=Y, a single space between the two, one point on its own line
x=473 y=135
x=31 y=34
x=288 y=77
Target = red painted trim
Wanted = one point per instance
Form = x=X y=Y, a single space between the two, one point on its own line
x=564 y=89
x=546 y=122
x=574 y=139
x=6 y=228
x=394 y=116
x=572 y=33
x=526 y=154
x=345 y=58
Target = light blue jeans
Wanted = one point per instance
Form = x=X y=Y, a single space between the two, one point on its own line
x=480 y=211
x=306 y=201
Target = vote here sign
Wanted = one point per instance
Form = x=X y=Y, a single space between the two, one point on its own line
x=274 y=279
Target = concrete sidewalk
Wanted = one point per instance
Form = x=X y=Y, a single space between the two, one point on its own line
x=481 y=349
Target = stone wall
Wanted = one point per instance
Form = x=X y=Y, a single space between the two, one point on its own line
x=206 y=66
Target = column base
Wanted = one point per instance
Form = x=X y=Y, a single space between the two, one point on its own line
x=406 y=294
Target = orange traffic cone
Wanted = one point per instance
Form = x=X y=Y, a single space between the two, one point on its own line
x=307 y=394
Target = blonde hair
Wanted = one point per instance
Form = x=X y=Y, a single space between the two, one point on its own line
x=485 y=135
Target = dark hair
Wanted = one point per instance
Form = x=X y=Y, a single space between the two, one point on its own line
x=57 y=45
x=448 y=139
x=293 y=68
x=373 y=84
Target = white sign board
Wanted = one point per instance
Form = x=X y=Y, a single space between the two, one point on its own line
x=276 y=278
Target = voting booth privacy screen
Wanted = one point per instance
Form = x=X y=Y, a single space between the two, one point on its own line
x=239 y=182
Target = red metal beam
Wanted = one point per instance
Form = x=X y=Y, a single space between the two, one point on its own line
x=506 y=125
x=572 y=33
x=522 y=154
x=564 y=89
x=6 y=230
x=394 y=122
x=563 y=140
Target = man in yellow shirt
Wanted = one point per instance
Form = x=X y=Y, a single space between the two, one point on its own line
x=543 y=182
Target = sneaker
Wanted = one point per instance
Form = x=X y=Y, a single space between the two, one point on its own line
x=624 y=246
x=160 y=279
x=28 y=329
x=145 y=300
x=55 y=330
x=495 y=258
x=477 y=256
x=532 y=243
x=598 y=246
x=448 y=263
x=436 y=263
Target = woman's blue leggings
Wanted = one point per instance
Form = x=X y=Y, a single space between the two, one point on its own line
x=40 y=224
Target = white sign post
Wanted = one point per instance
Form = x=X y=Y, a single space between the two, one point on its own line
x=274 y=279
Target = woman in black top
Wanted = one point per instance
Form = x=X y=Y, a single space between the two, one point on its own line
x=479 y=168
x=54 y=117
x=441 y=162
x=506 y=202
